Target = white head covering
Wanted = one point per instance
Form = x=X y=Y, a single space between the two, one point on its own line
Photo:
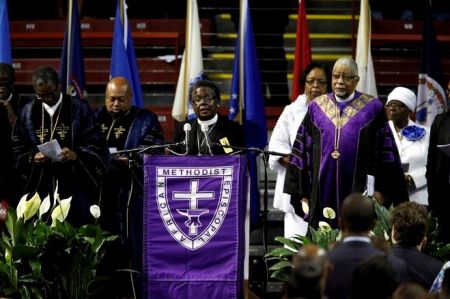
x=404 y=95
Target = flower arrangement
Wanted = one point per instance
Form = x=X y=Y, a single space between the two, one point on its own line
x=325 y=236
x=43 y=256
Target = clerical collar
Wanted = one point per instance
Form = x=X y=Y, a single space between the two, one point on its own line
x=9 y=98
x=344 y=100
x=51 y=110
x=357 y=239
x=209 y=121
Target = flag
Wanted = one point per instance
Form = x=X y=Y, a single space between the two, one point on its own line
x=364 y=61
x=5 y=42
x=71 y=68
x=430 y=94
x=191 y=69
x=302 y=50
x=123 y=59
x=246 y=98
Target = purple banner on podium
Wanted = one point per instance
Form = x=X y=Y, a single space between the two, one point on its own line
x=194 y=236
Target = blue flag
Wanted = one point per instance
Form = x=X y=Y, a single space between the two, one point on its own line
x=71 y=68
x=5 y=42
x=251 y=105
x=430 y=94
x=123 y=59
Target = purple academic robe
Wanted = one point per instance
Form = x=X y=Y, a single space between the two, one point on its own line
x=359 y=132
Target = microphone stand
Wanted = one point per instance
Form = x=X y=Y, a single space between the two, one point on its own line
x=265 y=156
x=144 y=149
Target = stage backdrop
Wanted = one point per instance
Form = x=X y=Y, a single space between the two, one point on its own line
x=194 y=212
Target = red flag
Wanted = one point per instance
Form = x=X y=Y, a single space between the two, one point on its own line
x=302 y=49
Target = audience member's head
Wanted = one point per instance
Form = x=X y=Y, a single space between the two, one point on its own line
x=46 y=85
x=118 y=96
x=410 y=290
x=205 y=99
x=409 y=224
x=373 y=278
x=7 y=79
x=315 y=80
x=309 y=273
x=357 y=215
x=344 y=77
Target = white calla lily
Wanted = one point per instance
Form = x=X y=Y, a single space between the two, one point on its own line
x=329 y=213
x=56 y=198
x=28 y=208
x=305 y=208
x=21 y=206
x=45 y=206
x=60 y=211
x=324 y=226
x=95 y=211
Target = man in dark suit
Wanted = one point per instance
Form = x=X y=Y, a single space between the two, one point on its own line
x=209 y=129
x=409 y=224
x=357 y=220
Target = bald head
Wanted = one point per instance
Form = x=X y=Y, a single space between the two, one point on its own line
x=357 y=214
x=118 y=96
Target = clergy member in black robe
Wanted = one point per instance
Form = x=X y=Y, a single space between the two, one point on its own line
x=217 y=130
x=10 y=103
x=78 y=169
x=343 y=142
x=125 y=127
x=438 y=174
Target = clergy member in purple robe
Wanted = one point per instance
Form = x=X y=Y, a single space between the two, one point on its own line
x=343 y=145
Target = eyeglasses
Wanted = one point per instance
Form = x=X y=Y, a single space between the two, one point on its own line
x=47 y=96
x=395 y=106
x=318 y=81
x=345 y=77
x=207 y=99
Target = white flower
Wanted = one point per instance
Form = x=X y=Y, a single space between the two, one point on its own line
x=325 y=227
x=95 y=211
x=386 y=236
x=56 y=198
x=45 y=206
x=28 y=208
x=60 y=211
x=329 y=213
x=305 y=208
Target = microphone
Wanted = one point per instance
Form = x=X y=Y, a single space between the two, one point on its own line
x=204 y=128
x=186 y=129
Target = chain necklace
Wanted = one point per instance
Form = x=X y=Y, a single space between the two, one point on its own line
x=337 y=134
x=52 y=128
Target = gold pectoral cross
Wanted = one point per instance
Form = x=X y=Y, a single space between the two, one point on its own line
x=42 y=133
x=119 y=131
x=103 y=128
x=62 y=130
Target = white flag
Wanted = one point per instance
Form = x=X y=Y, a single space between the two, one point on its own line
x=366 y=72
x=191 y=68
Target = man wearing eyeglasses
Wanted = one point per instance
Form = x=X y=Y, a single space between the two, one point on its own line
x=77 y=170
x=343 y=145
x=209 y=130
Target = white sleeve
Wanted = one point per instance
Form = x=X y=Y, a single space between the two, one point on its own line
x=280 y=139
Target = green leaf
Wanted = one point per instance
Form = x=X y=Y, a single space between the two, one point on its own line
x=281 y=252
x=281 y=265
x=25 y=252
x=289 y=242
x=10 y=223
x=281 y=274
x=37 y=293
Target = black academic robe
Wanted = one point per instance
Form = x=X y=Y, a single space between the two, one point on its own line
x=223 y=129
x=6 y=158
x=74 y=127
x=438 y=174
x=122 y=211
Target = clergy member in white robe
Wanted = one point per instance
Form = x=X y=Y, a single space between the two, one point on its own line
x=315 y=80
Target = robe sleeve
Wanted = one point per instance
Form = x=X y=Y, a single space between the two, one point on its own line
x=299 y=171
x=280 y=141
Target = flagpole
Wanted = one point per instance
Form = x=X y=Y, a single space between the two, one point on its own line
x=242 y=26
x=69 y=45
x=187 y=53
